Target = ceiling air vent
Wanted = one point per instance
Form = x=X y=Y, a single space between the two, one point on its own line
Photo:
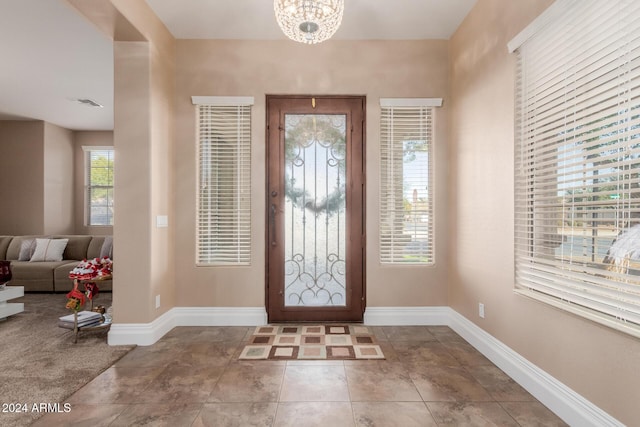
x=89 y=102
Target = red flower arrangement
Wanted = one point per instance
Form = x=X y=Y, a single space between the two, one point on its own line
x=91 y=290
x=76 y=299
x=94 y=269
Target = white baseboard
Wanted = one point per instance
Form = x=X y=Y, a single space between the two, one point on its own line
x=403 y=316
x=574 y=409
x=149 y=333
x=220 y=316
x=567 y=404
x=141 y=333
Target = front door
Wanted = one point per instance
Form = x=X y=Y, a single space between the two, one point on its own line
x=315 y=208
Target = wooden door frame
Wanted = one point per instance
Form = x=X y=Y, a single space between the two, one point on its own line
x=356 y=213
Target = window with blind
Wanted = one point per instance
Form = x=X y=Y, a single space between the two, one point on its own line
x=406 y=181
x=224 y=181
x=98 y=185
x=577 y=210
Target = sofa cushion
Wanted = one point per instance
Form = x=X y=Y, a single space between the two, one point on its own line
x=4 y=244
x=26 y=270
x=107 y=247
x=95 y=247
x=27 y=249
x=76 y=247
x=34 y=276
x=61 y=276
x=13 y=251
x=49 y=250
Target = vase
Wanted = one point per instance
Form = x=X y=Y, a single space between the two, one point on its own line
x=5 y=273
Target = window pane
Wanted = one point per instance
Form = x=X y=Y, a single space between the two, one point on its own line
x=578 y=163
x=101 y=206
x=415 y=183
x=406 y=205
x=224 y=198
x=99 y=189
x=597 y=198
x=101 y=168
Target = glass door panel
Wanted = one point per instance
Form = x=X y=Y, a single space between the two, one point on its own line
x=315 y=221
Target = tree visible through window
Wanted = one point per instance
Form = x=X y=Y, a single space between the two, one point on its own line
x=99 y=186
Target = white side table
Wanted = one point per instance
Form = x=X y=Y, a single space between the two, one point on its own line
x=9 y=309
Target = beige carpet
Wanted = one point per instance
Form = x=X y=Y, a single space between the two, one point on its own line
x=312 y=342
x=39 y=361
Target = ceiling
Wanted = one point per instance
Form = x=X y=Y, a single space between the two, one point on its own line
x=362 y=20
x=51 y=56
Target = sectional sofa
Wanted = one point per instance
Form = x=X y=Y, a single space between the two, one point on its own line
x=48 y=275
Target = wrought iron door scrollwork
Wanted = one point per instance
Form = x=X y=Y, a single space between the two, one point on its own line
x=315 y=200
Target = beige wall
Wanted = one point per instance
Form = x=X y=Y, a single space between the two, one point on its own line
x=132 y=183
x=257 y=68
x=144 y=90
x=144 y=85
x=36 y=163
x=58 y=180
x=87 y=139
x=22 y=177
x=599 y=363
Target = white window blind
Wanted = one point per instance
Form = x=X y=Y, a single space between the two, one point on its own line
x=224 y=184
x=406 y=181
x=98 y=185
x=577 y=196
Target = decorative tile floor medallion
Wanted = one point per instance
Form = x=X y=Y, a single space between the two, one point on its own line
x=312 y=342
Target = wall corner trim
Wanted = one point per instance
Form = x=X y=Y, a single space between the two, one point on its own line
x=566 y=403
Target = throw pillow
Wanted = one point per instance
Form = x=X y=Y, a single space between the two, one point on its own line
x=49 y=249
x=27 y=248
x=107 y=247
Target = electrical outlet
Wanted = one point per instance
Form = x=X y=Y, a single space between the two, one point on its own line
x=481 y=310
x=157 y=301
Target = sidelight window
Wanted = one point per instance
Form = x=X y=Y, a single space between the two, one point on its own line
x=406 y=181
x=223 y=224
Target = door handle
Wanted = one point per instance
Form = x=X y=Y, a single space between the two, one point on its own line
x=272 y=219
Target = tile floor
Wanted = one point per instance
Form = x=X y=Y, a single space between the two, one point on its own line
x=191 y=377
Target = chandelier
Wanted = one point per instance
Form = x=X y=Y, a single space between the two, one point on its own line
x=309 y=21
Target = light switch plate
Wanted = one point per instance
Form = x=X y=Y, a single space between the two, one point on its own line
x=162 y=221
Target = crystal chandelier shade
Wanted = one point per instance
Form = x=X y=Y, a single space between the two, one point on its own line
x=309 y=21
